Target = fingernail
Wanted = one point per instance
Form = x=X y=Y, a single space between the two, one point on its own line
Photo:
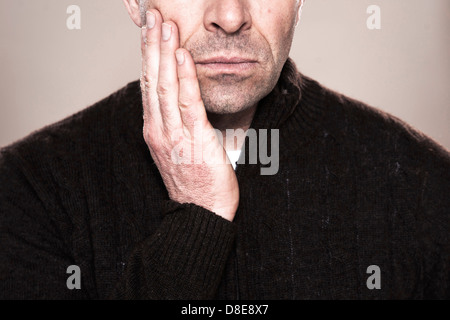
x=151 y=19
x=180 y=57
x=166 y=31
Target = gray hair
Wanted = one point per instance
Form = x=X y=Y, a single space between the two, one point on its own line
x=143 y=8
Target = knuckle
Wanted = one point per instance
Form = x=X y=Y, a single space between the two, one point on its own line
x=152 y=41
x=187 y=77
x=149 y=135
x=189 y=119
x=163 y=88
x=145 y=78
x=144 y=44
x=144 y=87
x=156 y=149
x=145 y=84
x=188 y=101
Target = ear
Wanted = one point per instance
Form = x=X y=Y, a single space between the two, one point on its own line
x=299 y=11
x=134 y=11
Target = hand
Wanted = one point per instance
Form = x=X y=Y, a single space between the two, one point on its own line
x=180 y=138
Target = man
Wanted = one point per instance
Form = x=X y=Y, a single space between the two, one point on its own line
x=356 y=205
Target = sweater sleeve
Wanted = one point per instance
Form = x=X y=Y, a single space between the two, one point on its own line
x=33 y=255
x=434 y=226
x=184 y=259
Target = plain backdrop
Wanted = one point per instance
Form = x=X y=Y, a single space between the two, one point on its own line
x=49 y=72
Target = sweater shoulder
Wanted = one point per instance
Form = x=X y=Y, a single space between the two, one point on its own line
x=370 y=130
x=71 y=135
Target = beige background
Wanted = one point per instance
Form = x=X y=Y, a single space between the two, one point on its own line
x=49 y=72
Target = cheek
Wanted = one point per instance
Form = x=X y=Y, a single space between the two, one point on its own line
x=279 y=31
x=177 y=11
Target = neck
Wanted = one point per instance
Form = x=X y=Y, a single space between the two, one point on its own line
x=236 y=124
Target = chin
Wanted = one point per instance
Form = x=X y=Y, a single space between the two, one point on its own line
x=233 y=100
x=227 y=106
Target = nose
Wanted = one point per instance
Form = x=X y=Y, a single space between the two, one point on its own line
x=228 y=16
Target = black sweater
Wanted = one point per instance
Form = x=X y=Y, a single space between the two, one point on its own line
x=355 y=187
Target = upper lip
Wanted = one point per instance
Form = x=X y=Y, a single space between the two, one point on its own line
x=226 y=60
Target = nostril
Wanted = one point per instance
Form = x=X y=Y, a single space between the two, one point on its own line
x=230 y=16
x=222 y=30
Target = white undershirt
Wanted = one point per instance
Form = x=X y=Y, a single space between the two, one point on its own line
x=233 y=155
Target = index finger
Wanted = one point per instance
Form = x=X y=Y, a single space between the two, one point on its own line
x=150 y=47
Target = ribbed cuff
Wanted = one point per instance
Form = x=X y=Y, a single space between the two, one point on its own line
x=192 y=244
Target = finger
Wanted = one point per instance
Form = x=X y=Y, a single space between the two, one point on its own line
x=190 y=102
x=150 y=46
x=167 y=88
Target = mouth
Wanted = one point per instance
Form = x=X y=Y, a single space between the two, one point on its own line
x=227 y=65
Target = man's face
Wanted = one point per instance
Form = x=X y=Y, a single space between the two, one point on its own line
x=239 y=47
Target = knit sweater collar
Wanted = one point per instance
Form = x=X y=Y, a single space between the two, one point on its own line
x=280 y=103
x=295 y=106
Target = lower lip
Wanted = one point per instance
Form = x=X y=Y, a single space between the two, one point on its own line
x=229 y=68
